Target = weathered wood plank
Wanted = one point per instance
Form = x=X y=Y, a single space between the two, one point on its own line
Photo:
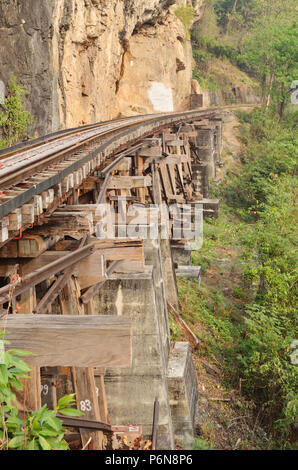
x=129 y=182
x=30 y=396
x=91 y=270
x=90 y=266
x=29 y=246
x=80 y=341
x=87 y=402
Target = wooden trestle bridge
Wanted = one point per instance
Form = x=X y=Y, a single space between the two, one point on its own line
x=53 y=265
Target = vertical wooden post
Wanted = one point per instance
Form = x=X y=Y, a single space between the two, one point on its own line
x=102 y=397
x=83 y=378
x=27 y=302
x=156 y=184
x=140 y=167
x=69 y=299
x=48 y=387
x=90 y=308
x=30 y=396
x=31 y=393
x=87 y=401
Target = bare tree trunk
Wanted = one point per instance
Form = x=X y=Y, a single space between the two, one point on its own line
x=270 y=89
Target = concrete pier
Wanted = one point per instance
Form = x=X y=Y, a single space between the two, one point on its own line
x=131 y=392
x=183 y=392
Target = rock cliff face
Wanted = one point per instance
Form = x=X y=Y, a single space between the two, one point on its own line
x=89 y=60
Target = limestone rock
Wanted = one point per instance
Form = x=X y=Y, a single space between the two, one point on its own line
x=88 y=60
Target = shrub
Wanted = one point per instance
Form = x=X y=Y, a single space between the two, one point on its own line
x=38 y=430
x=15 y=121
x=186 y=14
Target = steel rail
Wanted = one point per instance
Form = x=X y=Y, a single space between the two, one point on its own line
x=128 y=126
x=166 y=120
x=49 y=138
x=18 y=166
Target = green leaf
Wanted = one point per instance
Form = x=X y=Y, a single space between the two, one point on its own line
x=3 y=374
x=62 y=446
x=71 y=412
x=66 y=400
x=32 y=445
x=44 y=444
x=55 y=423
x=20 y=352
x=20 y=364
x=16 y=442
x=15 y=383
x=48 y=433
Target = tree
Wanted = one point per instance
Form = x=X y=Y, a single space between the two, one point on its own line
x=15 y=121
x=271 y=52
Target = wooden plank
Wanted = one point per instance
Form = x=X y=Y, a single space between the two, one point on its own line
x=172 y=177
x=29 y=246
x=4 y=229
x=7 y=270
x=90 y=308
x=175 y=159
x=155 y=151
x=156 y=184
x=90 y=270
x=74 y=225
x=15 y=220
x=80 y=341
x=49 y=391
x=140 y=167
x=94 y=263
x=102 y=397
x=30 y=397
x=129 y=182
x=27 y=302
x=87 y=402
x=84 y=382
x=27 y=214
x=125 y=253
x=176 y=143
x=165 y=181
x=69 y=298
x=169 y=137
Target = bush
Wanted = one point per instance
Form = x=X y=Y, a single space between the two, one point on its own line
x=39 y=430
x=269 y=151
x=186 y=14
x=265 y=192
x=15 y=121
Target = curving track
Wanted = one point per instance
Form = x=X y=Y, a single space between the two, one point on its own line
x=29 y=169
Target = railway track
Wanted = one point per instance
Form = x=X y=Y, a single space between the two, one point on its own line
x=63 y=160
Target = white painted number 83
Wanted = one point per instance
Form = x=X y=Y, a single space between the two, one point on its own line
x=85 y=405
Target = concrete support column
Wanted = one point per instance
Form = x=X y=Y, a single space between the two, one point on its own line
x=206 y=149
x=131 y=392
x=169 y=274
x=153 y=257
x=201 y=178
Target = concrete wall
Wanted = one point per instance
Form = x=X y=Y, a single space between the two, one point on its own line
x=183 y=392
x=131 y=392
x=143 y=297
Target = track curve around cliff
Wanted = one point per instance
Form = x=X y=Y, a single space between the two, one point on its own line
x=28 y=169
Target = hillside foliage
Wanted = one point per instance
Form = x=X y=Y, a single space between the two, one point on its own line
x=15 y=121
x=258 y=36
